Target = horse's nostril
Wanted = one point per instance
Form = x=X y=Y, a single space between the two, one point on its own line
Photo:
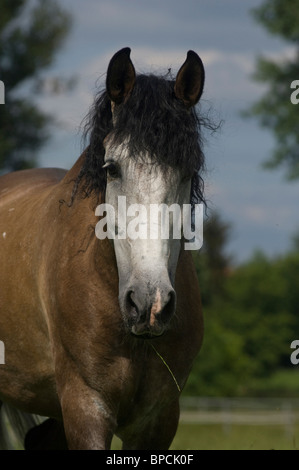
x=130 y=304
x=129 y=298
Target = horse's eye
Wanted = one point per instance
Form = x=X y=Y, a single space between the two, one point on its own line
x=113 y=170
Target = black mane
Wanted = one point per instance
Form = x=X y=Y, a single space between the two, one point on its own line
x=152 y=120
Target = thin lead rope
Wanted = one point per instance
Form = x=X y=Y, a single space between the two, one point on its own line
x=165 y=363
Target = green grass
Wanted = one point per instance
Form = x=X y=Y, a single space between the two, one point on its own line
x=236 y=437
x=195 y=436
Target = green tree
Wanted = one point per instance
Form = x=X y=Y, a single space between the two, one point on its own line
x=30 y=34
x=212 y=263
x=222 y=357
x=261 y=310
x=249 y=329
x=275 y=109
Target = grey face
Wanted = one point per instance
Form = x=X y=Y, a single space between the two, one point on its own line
x=146 y=256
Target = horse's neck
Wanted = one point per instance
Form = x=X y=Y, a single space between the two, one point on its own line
x=71 y=185
x=73 y=173
x=76 y=211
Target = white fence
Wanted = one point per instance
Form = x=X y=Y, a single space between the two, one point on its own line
x=241 y=411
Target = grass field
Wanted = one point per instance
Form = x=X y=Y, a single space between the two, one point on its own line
x=238 y=437
x=192 y=436
x=238 y=425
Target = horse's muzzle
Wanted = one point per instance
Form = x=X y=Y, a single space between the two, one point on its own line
x=148 y=315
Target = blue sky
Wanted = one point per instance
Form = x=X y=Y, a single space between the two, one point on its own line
x=260 y=204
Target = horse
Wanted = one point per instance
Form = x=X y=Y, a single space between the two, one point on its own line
x=100 y=332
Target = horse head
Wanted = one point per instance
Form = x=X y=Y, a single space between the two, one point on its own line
x=149 y=168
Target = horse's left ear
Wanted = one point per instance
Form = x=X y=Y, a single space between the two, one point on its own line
x=190 y=80
x=120 y=76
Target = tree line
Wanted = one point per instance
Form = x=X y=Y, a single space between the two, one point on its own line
x=251 y=314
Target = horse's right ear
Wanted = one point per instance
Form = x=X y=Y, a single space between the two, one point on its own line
x=190 y=80
x=120 y=76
